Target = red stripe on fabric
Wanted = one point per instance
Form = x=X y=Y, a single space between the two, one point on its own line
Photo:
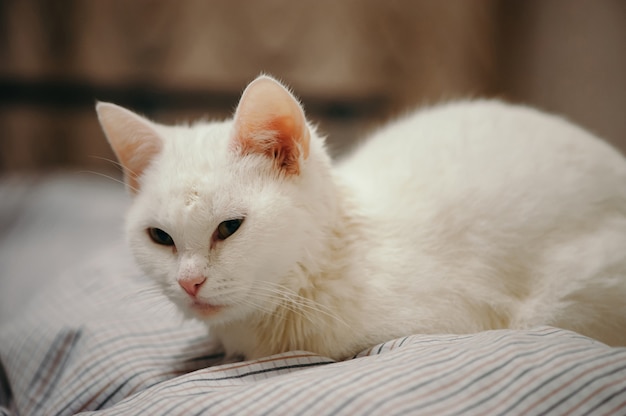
x=522 y=386
x=614 y=411
x=572 y=380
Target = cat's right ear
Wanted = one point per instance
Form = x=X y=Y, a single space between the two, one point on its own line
x=270 y=121
x=133 y=139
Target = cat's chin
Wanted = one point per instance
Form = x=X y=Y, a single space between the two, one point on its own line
x=209 y=313
x=205 y=310
x=197 y=309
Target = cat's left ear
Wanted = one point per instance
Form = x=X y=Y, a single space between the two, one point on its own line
x=270 y=121
x=133 y=139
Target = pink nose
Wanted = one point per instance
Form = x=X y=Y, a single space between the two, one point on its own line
x=192 y=285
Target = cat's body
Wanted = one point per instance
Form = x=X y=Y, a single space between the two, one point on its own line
x=461 y=218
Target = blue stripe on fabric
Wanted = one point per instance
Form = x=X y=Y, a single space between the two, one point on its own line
x=72 y=340
x=411 y=371
x=582 y=386
x=550 y=380
x=606 y=400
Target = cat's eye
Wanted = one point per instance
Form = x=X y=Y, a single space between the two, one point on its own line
x=160 y=237
x=228 y=228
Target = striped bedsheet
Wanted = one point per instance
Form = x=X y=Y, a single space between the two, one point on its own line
x=99 y=340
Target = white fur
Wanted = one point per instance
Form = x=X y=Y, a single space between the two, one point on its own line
x=461 y=218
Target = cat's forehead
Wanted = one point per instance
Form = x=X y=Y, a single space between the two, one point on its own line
x=198 y=167
x=203 y=142
x=193 y=151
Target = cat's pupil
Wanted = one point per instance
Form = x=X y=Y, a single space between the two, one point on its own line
x=160 y=237
x=228 y=228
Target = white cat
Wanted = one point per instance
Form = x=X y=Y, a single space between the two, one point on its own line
x=470 y=216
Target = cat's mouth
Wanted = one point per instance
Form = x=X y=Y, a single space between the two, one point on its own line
x=205 y=309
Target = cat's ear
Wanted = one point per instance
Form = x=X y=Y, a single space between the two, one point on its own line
x=270 y=121
x=133 y=139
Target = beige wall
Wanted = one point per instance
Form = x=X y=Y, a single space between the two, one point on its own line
x=569 y=57
x=353 y=63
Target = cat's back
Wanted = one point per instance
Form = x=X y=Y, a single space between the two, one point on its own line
x=480 y=149
x=506 y=210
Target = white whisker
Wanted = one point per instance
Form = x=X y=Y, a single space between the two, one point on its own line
x=111 y=161
x=295 y=302
x=108 y=177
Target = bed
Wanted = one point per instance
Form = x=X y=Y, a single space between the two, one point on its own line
x=80 y=331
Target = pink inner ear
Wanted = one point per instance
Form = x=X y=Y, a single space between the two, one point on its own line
x=133 y=139
x=135 y=158
x=270 y=121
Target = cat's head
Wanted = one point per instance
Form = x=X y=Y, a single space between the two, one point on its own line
x=225 y=214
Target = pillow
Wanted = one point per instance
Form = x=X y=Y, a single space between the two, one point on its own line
x=101 y=339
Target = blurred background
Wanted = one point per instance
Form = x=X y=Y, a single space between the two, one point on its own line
x=353 y=63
